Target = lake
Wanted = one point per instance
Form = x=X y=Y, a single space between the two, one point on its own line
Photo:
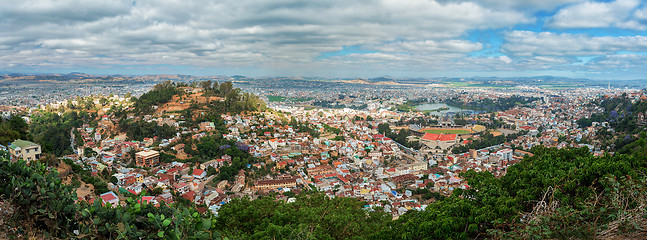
x=433 y=106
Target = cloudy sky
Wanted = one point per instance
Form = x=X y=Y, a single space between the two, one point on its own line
x=328 y=38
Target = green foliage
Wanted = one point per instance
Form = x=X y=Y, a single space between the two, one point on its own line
x=304 y=127
x=166 y=158
x=339 y=138
x=53 y=131
x=99 y=185
x=39 y=198
x=615 y=211
x=487 y=140
x=334 y=130
x=212 y=148
x=88 y=152
x=43 y=204
x=235 y=101
x=497 y=205
x=400 y=137
x=622 y=115
x=581 y=196
x=312 y=216
x=619 y=111
x=141 y=220
x=138 y=130
x=383 y=128
x=492 y=105
x=406 y=107
x=13 y=128
x=161 y=93
x=275 y=98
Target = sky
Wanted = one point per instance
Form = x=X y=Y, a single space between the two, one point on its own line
x=327 y=38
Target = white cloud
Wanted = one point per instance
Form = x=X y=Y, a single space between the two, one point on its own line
x=598 y=15
x=526 y=43
x=225 y=33
x=288 y=36
x=525 y=5
x=641 y=14
x=429 y=46
x=505 y=59
x=619 y=61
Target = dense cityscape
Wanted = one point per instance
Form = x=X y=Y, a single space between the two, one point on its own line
x=395 y=147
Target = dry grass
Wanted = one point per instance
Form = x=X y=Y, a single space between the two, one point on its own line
x=181 y=102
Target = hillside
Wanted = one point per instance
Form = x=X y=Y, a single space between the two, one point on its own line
x=179 y=103
x=564 y=193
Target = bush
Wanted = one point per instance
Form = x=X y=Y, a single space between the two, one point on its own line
x=41 y=202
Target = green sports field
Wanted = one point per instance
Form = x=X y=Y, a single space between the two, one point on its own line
x=447 y=131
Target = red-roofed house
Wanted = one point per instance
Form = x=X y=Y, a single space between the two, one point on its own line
x=148 y=199
x=528 y=128
x=109 y=197
x=199 y=173
x=343 y=179
x=179 y=147
x=166 y=197
x=130 y=180
x=190 y=195
x=181 y=187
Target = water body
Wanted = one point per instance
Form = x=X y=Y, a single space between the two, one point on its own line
x=434 y=106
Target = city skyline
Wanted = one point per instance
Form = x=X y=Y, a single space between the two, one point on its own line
x=565 y=38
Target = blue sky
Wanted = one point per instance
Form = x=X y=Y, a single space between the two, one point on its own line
x=334 y=38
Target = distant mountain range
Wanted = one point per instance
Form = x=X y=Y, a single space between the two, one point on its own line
x=550 y=81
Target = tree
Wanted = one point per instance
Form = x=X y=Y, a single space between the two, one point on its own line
x=88 y=152
x=206 y=85
x=114 y=180
x=573 y=178
x=383 y=128
x=13 y=128
x=312 y=216
x=225 y=88
x=157 y=191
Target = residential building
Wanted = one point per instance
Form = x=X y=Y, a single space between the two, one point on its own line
x=275 y=183
x=109 y=197
x=25 y=150
x=147 y=158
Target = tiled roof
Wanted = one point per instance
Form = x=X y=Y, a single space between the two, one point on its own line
x=22 y=144
x=198 y=172
x=109 y=196
x=439 y=137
